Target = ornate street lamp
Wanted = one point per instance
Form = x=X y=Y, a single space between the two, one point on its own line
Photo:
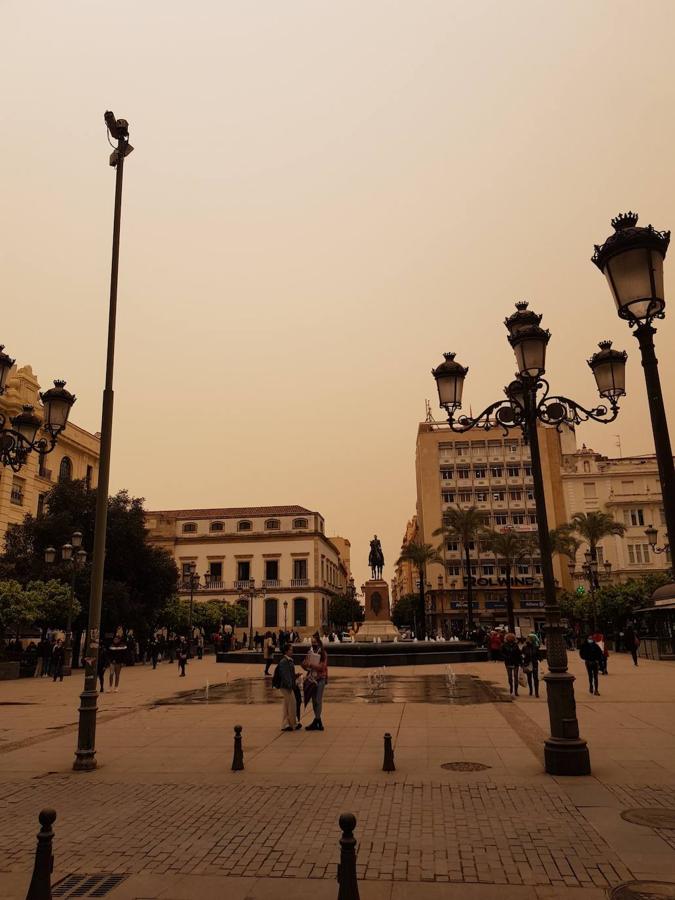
x=248 y=595
x=73 y=554
x=528 y=402
x=285 y=615
x=22 y=438
x=652 y=535
x=632 y=261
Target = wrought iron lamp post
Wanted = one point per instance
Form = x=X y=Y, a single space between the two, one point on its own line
x=19 y=440
x=250 y=594
x=193 y=582
x=527 y=403
x=77 y=560
x=632 y=261
x=285 y=615
x=652 y=535
x=591 y=572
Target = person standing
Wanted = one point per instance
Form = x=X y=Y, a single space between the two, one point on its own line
x=182 y=657
x=41 y=661
x=495 y=645
x=592 y=655
x=101 y=665
x=268 y=652
x=530 y=654
x=316 y=666
x=200 y=646
x=117 y=655
x=631 y=642
x=284 y=676
x=153 y=651
x=58 y=659
x=513 y=659
x=599 y=639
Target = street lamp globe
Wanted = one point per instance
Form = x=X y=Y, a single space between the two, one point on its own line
x=76 y=540
x=27 y=423
x=50 y=555
x=450 y=377
x=57 y=403
x=588 y=557
x=608 y=567
x=6 y=363
x=81 y=557
x=67 y=552
x=652 y=534
x=632 y=261
x=522 y=318
x=529 y=345
x=609 y=369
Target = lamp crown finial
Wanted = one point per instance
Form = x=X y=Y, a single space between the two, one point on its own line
x=625 y=220
x=59 y=383
x=522 y=305
x=605 y=345
x=448 y=357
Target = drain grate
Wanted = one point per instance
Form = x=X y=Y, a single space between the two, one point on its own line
x=657 y=817
x=87 y=885
x=644 y=890
x=465 y=766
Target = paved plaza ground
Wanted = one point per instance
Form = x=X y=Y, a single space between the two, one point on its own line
x=165 y=811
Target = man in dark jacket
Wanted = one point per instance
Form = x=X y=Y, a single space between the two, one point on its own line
x=593 y=657
x=286 y=681
x=58 y=659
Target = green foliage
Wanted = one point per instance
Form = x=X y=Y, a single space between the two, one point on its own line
x=509 y=546
x=209 y=615
x=343 y=610
x=18 y=607
x=594 y=526
x=615 y=603
x=464 y=525
x=52 y=601
x=138 y=577
x=564 y=542
x=405 y=610
x=420 y=555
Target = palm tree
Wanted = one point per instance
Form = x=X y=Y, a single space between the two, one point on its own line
x=420 y=555
x=593 y=527
x=509 y=547
x=465 y=525
x=563 y=541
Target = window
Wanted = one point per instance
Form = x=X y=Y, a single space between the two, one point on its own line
x=300 y=612
x=465 y=496
x=480 y=472
x=638 y=553
x=453 y=546
x=488 y=569
x=496 y=471
x=522 y=569
x=513 y=471
x=271 y=570
x=498 y=495
x=530 y=496
x=446 y=474
x=243 y=570
x=215 y=571
x=528 y=471
x=216 y=526
x=518 y=519
x=299 y=569
x=448 y=496
x=272 y=525
x=512 y=448
x=42 y=469
x=501 y=519
x=300 y=523
x=89 y=477
x=186 y=569
x=16 y=495
x=189 y=527
x=662 y=515
x=600 y=555
x=41 y=504
x=634 y=517
x=515 y=495
x=244 y=526
x=66 y=469
x=271 y=612
x=463 y=472
x=462 y=448
x=454 y=570
x=589 y=490
x=533 y=518
x=482 y=496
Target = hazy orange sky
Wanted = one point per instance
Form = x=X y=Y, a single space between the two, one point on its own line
x=322 y=199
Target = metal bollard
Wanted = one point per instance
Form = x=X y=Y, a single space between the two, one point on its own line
x=238 y=758
x=346 y=873
x=388 y=764
x=41 y=882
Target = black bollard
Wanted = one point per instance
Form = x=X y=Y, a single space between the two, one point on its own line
x=238 y=758
x=388 y=764
x=41 y=882
x=346 y=873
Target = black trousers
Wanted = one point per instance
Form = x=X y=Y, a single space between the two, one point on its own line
x=592 y=668
x=181 y=666
x=57 y=670
x=512 y=672
x=634 y=654
x=533 y=679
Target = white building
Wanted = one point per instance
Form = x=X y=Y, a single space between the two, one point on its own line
x=627 y=488
x=281 y=550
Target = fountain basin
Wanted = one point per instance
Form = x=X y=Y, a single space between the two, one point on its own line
x=366 y=655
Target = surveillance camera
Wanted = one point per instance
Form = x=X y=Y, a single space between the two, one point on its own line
x=118 y=128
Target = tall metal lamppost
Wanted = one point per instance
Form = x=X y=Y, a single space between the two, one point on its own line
x=249 y=594
x=192 y=579
x=632 y=261
x=85 y=754
x=285 y=615
x=591 y=572
x=77 y=560
x=527 y=403
x=19 y=440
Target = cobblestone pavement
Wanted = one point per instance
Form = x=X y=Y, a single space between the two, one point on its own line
x=422 y=831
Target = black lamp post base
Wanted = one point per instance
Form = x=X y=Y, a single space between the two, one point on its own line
x=85 y=761
x=85 y=754
x=565 y=756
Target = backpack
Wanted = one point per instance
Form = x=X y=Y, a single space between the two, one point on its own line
x=276 y=678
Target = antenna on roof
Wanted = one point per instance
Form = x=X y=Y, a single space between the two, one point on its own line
x=429 y=419
x=618 y=444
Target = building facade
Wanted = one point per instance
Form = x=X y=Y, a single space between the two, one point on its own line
x=493 y=472
x=75 y=456
x=282 y=551
x=405 y=580
x=628 y=489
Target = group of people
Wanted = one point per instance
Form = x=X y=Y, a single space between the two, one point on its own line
x=521 y=656
x=50 y=657
x=301 y=687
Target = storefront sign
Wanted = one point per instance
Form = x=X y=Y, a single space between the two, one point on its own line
x=500 y=581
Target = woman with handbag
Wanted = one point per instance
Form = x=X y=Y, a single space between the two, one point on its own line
x=513 y=660
x=531 y=663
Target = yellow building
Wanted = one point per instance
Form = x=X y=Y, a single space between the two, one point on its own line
x=405 y=580
x=493 y=472
x=282 y=550
x=75 y=456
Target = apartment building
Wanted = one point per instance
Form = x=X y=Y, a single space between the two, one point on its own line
x=280 y=551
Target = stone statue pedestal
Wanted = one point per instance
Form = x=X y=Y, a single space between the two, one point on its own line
x=377 y=624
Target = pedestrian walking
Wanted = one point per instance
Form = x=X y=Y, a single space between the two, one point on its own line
x=316 y=666
x=43 y=650
x=513 y=659
x=153 y=651
x=284 y=680
x=182 y=657
x=58 y=659
x=592 y=655
x=495 y=645
x=599 y=639
x=117 y=653
x=200 y=646
x=530 y=654
x=101 y=665
x=268 y=652
x=631 y=642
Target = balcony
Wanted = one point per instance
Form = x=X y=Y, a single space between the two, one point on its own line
x=243 y=585
x=213 y=584
x=299 y=582
x=271 y=583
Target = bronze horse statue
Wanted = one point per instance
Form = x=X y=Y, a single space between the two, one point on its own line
x=376 y=558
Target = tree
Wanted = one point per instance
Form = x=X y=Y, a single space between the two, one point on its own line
x=509 y=548
x=18 y=607
x=343 y=610
x=464 y=525
x=405 y=611
x=594 y=526
x=563 y=541
x=52 y=601
x=420 y=555
x=138 y=577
